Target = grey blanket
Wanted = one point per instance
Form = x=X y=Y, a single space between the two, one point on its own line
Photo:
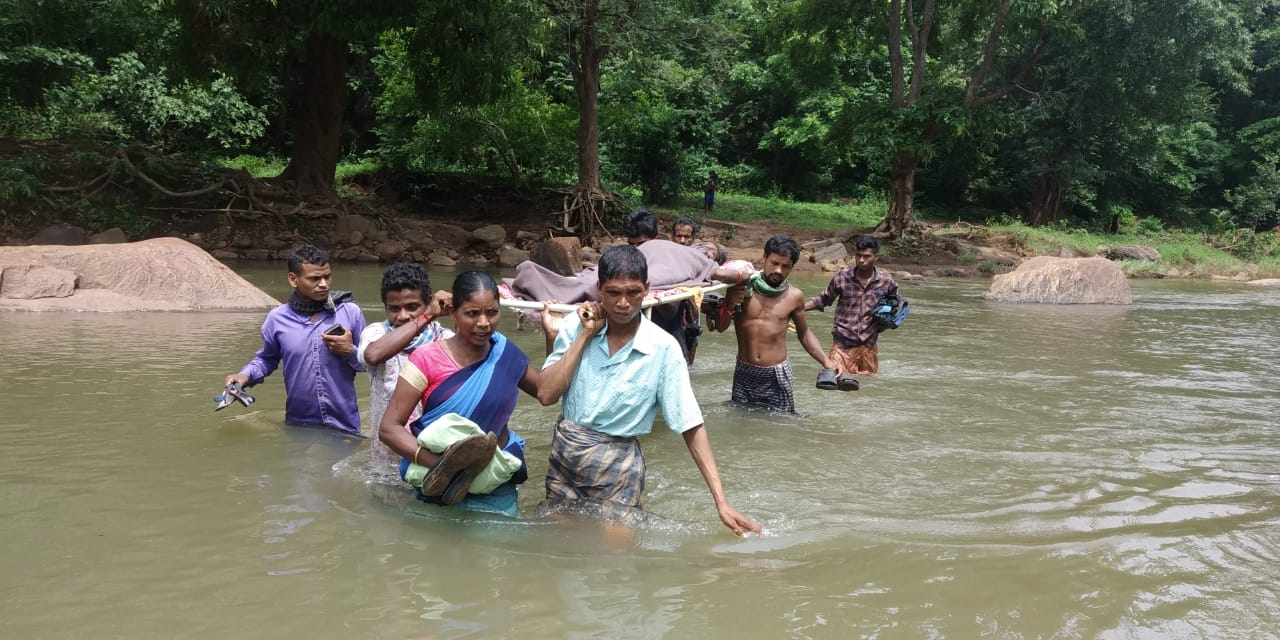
x=670 y=265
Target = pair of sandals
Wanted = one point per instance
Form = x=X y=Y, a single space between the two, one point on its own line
x=231 y=395
x=447 y=483
x=831 y=380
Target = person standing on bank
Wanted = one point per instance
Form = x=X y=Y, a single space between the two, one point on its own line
x=315 y=334
x=858 y=288
x=709 y=191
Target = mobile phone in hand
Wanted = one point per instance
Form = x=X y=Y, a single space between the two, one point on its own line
x=335 y=330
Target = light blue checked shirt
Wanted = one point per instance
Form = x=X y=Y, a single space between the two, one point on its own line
x=620 y=394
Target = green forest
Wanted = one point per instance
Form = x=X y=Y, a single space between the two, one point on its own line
x=1099 y=115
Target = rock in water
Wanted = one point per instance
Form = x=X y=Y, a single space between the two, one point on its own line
x=161 y=274
x=1050 y=280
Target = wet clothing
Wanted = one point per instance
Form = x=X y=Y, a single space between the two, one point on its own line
x=858 y=361
x=680 y=319
x=484 y=392
x=589 y=465
x=611 y=400
x=852 y=325
x=769 y=388
x=319 y=386
x=620 y=394
x=383 y=378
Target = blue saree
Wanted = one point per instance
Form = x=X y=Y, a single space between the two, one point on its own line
x=485 y=393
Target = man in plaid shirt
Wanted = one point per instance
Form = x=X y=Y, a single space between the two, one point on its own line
x=853 y=331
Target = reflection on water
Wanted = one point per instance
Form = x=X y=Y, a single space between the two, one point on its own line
x=1016 y=471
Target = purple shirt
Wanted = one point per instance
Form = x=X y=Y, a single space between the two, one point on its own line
x=319 y=387
x=852 y=325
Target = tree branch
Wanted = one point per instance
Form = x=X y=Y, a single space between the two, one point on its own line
x=1028 y=66
x=895 y=54
x=919 y=50
x=78 y=187
x=124 y=157
x=988 y=54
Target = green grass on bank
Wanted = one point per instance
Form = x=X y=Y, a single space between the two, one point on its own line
x=1191 y=254
x=805 y=215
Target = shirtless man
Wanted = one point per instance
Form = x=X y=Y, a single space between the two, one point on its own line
x=761 y=309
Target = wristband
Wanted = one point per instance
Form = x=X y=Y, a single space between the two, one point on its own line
x=415 y=455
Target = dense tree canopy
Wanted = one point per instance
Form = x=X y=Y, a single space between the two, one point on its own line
x=1085 y=111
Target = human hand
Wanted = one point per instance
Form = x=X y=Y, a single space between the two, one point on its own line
x=441 y=304
x=238 y=378
x=737 y=523
x=551 y=319
x=339 y=345
x=592 y=316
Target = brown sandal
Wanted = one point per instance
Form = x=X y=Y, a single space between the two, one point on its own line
x=460 y=463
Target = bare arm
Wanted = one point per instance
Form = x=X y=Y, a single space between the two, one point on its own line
x=555 y=378
x=807 y=338
x=384 y=348
x=392 y=432
x=700 y=448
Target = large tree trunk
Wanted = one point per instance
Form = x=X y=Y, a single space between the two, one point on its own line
x=317 y=136
x=587 y=85
x=584 y=64
x=1046 y=198
x=902 y=188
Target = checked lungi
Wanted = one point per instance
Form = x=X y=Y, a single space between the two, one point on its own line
x=589 y=465
x=764 y=387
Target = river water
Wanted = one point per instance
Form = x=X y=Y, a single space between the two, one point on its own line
x=1014 y=472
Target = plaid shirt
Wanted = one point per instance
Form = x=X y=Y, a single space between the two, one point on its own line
x=853 y=326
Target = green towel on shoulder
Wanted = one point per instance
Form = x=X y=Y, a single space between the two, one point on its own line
x=450 y=428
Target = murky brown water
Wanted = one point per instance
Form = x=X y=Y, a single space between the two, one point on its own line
x=1015 y=472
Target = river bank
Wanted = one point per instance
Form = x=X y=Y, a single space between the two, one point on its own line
x=471 y=221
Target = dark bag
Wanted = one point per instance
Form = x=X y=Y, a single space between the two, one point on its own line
x=890 y=311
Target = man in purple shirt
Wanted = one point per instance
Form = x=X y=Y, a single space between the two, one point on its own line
x=314 y=333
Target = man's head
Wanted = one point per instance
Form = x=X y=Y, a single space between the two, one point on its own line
x=624 y=281
x=682 y=231
x=780 y=255
x=640 y=227
x=865 y=252
x=309 y=272
x=404 y=292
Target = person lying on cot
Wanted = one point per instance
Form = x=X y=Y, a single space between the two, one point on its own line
x=461 y=450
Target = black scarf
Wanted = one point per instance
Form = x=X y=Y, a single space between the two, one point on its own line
x=308 y=308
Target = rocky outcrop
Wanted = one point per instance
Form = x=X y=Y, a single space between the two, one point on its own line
x=1046 y=279
x=1130 y=252
x=162 y=274
x=561 y=255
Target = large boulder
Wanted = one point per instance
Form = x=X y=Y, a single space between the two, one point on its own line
x=832 y=252
x=33 y=282
x=509 y=256
x=561 y=255
x=60 y=234
x=114 y=235
x=1046 y=279
x=490 y=236
x=162 y=274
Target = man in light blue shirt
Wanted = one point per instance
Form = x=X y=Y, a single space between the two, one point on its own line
x=626 y=373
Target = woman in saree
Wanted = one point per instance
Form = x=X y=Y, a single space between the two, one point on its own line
x=462 y=450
